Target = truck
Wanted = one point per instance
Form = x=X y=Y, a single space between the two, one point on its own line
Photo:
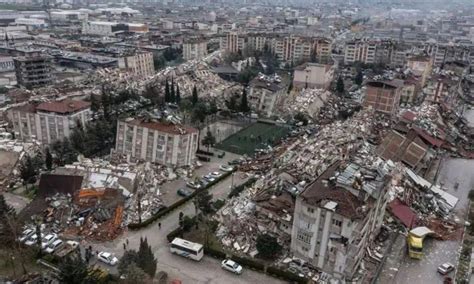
x=415 y=240
x=66 y=249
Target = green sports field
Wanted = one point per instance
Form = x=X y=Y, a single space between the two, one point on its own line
x=255 y=136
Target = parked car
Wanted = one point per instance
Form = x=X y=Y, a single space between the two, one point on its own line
x=204 y=182
x=445 y=268
x=209 y=178
x=25 y=235
x=107 y=258
x=48 y=239
x=215 y=174
x=184 y=192
x=54 y=246
x=32 y=240
x=193 y=184
x=231 y=266
x=226 y=168
x=234 y=162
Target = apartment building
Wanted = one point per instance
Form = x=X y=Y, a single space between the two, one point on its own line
x=360 y=51
x=313 y=75
x=420 y=66
x=194 y=49
x=383 y=96
x=6 y=64
x=232 y=42
x=33 y=71
x=337 y=217
x=49 y=121
x=139 y=63
x=264 y=94
x=111 y=28
x=159 y=142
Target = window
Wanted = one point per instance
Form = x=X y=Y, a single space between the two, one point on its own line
x=304 y=236
x=337 y=222
x=310 y=210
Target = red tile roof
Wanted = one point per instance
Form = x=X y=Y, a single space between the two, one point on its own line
x=403 y=213
x=65 y=106
x=428 y=138
x=409 y=116
x=163 y=126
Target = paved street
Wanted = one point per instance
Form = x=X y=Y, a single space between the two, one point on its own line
x=206 y=271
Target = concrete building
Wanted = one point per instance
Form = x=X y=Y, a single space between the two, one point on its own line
x=420 y=66
x=111 y=28
x=264 y=94
x=313 y=75
x=360 y=51
x=50 y=121
x=194 y=49
x=140 y=63
x=337 y=217
x=232 y=42
x=6 y=64
x=383 y=96
x=159 y=142
x=33 y=71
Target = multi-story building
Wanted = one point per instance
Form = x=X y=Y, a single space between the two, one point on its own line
x=139 y=63
x=6 y=64
x=50 y=121
x=264 y=94
x=111 y=28
x=159 y=142
x=313 y=75
x=420 y=66
x=337 y=217
x=232 y=42
x=33 y=71
x=383 y=96
x=194 y=49
x=360 y=51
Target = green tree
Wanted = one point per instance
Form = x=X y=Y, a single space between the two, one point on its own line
x=178 y=95
x=106 y=102
x=172 y=92
x=7 y=221
x=209 y=140
x=95 y=104
x=340 y=85
x=48 y=160
x=313 y=56
x=74 y=270
x=78 y=138
x=146 y=258
x=244 y=105
x=232 y=103
x=290 y=87
x=28 y=171
x=135 y=275
x=268 y=246
x=167 y=91
x=203 y=200
x=359 y=78
x=159 y=62
x=200 y=112
x=128 y=258
x=195 y=98
x=63 y=151
x=301 y=117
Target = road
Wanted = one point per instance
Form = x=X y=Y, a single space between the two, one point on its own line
x=206 y=271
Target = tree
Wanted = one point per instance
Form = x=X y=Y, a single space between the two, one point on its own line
x=204 y=199
x=340 y=85
x=313 y=56
x=128 y=258
x=64 y=152
x=232 y=103
x=194 y=98
x=244 y=105
x=78 y=138
x=290 y=87
x=359 y=78
x=7 y=215
x=209 y=140
x=74 y=270
x=95 y=104
x=268 y=246
x=178 y=95
x=146 y=258
x=106 y=102
x=199 y=112
x=28 y=171
x=172 y=92
x=301 y=117
x=48 y=160
x=167 y=91
x=135 y=275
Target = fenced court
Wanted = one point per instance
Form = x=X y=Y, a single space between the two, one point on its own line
x=256 y=136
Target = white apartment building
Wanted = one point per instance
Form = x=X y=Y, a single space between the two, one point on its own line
x=336 y=218
x=50 y=121
x=232 y=42
x=140 y=64
x=6 y=64
x=111 y=28
x=360 y=51
x=313 y=75
x=159 y=142
x=264 y=95
x=194 y=49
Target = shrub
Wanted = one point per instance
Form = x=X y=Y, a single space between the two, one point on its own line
x=471 y=195
x=214 y=252
x=250 y=263
x=238 y=189
x=286 y=275
x=174 y=234
x=216 y=205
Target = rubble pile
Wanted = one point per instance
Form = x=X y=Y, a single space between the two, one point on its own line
x=308 y=101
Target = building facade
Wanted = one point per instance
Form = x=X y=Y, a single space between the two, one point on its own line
x=232 y=42
x=140 y=64
x=337 y=217
x=383 y=96
x=264 y=95
x=313 y=75
x=360 y=51
x=33 y=71
x=159 y=142
x=50 y=121
x=194 y=49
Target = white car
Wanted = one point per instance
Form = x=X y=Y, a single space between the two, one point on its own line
x=445 y=268
x=209 y=178
x=54 y=246
x=215 y=174
x=25 y=235
x=226 y=168
x=107 y=258
x=231 y=266
x=48 y=239
x=32 y=240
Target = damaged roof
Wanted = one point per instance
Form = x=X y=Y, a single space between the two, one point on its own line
x=161 y=126
x=63 y=107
